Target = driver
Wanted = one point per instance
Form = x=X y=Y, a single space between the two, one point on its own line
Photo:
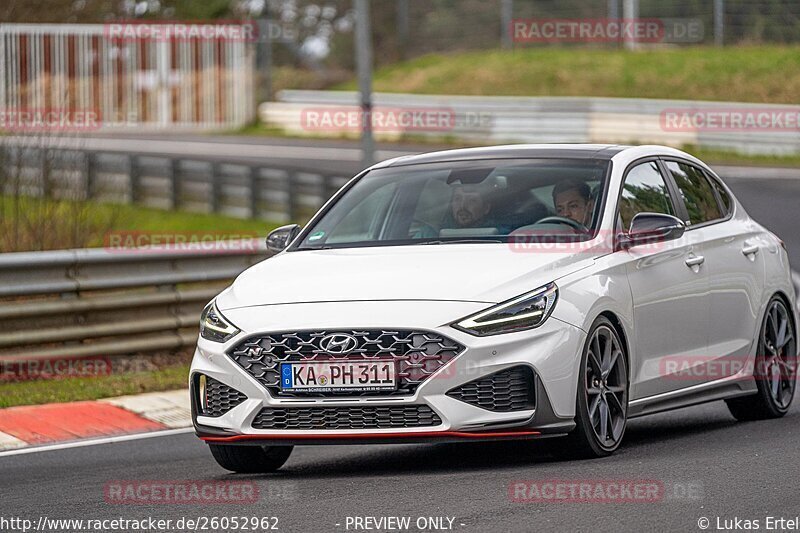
x=469 y=207
x=573 y=199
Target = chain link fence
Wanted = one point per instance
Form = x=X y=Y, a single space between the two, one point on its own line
x=424 y=26
x=406 y=29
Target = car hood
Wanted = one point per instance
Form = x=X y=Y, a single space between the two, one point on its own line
x=487 y=272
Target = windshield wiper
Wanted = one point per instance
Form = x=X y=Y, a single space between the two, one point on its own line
x=411 y=243
x=463 y=241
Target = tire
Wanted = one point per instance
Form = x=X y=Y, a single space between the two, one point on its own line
x=775 y=368
x=596 y=394
x=250 y=459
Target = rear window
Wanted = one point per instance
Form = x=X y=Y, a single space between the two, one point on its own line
x=724 y=197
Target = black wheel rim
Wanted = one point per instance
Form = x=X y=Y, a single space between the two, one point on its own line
x=779 y=349
x=606 y=386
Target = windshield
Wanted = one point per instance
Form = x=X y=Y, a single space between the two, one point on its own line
x=467 y=201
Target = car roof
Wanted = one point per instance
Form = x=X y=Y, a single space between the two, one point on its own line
x=513 y=151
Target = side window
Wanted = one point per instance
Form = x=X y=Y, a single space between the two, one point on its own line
x=701 y=203
x=644 y=191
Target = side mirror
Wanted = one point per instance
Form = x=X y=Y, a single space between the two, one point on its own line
x=279 y=238
x=649 y=228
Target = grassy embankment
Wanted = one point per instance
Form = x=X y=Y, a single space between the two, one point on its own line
x=759 y=74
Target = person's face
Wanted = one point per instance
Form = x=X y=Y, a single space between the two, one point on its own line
x=572 y=205
x=469 y=208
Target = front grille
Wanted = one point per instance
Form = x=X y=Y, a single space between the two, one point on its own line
x=220 y=398
x=507 y=390
x=417 y=355
x=378 y=417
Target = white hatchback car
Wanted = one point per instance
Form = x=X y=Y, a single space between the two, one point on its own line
x=499 y=293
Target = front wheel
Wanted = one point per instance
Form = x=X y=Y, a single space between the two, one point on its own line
x=602 y=398
x=250 y=459
x=775 y=368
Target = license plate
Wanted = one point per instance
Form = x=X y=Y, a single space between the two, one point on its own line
x=354 y=376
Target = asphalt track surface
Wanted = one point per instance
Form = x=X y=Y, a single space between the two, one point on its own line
x=708 y=465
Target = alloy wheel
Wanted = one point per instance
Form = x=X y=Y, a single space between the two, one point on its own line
x=778 y=365
x=606 y=386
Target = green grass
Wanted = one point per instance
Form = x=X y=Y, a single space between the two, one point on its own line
x=743 y=73
x=130 y=218
x=92 y=388
x=35 y=224
x=723 y=157
x=758 y=74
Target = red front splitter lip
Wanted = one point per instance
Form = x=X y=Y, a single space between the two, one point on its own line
x=357 y=436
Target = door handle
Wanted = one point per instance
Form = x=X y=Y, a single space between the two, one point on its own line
x=750 y=249
x=696 y=260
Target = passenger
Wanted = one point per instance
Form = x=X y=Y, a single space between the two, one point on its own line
x=573 y=199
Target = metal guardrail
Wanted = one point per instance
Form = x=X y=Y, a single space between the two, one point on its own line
x=242 y=190
x=113 y=301
x=104 y=302
x=490 y=119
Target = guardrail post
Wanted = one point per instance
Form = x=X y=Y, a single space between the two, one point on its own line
x=330 y=187
x=216 y=187
x=719 y=22
x=45 y=171
x=291 y=199
x=506 y=13
x=252 y=179
x=133 y=178
x=90 y=168
x=175 y=183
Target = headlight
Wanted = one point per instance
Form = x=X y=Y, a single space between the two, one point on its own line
x=214 y=326
x=523 y=312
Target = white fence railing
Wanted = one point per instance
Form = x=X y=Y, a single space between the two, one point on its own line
x=127 y=82
x=493 y=119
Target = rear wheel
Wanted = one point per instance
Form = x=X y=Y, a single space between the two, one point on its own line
x=250 y=459
x=602 y=398
x=775 y=368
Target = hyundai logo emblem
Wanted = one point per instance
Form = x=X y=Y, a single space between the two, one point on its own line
x=338 y=343
x=255 y=351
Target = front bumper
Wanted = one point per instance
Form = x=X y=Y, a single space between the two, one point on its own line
x=552 y=352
